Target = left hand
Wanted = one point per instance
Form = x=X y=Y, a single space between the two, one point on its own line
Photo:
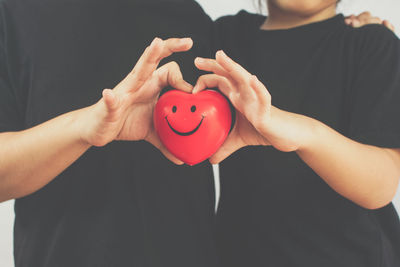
x=257 y=121
x=365 y=18
x=126 y=112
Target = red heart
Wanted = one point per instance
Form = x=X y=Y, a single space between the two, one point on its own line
x=192 y=126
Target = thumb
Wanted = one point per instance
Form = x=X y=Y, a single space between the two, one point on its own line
x=110 y=99
x=231 y=144
x=153 y=139
x=170 y=74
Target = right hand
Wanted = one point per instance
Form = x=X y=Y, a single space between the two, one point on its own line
x=365 y=18
x=126 y=112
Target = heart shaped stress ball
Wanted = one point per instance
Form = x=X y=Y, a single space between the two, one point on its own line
x=192 y=126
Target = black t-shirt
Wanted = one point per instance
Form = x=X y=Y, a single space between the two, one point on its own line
x=274 y=210
x=119 y=205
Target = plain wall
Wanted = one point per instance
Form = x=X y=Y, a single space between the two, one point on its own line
x=388 y=9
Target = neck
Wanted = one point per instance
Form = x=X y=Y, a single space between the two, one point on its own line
x=279 y=19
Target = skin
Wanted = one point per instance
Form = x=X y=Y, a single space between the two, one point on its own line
x=365 y=174
x=367 y=18
x=123 y=113
x=284 y=14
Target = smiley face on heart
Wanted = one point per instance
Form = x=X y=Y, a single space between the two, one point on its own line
x=192 y=126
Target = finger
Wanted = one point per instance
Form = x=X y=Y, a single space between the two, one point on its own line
x=169 y=156
x=367 y=18
x=348 y=20
x=151 y=53
x=173 y=45
x=110 y=100
x=360 y=20
x=364 y=16
x=261 y=91
x=170 y=74
x=158 y=51
x=374 y=20
x=214 y=80
x=231 y=144
x=352 y=16
x=211 y=65
x=237 y=72
x=389 y=25
x=155 y=141
x=355 y=23
x=150 y=60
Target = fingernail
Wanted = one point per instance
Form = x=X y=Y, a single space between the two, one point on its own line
x=221 y=53
x=155 y=40
x=199 y=60
x=185 y=40
x=347 y=21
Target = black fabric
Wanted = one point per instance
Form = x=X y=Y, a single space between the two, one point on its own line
x=123 y=204
x=274 y=210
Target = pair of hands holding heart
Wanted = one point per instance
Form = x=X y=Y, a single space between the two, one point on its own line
x=126 y=112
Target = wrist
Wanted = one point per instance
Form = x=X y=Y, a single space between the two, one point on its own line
x=82 y=123
x=290 y=131
x=313 y=132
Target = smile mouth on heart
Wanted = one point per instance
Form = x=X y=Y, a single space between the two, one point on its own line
x=185 y=133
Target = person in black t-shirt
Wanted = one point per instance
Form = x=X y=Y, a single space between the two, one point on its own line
x=318 y=133
x=122 y=204
x=80 y=202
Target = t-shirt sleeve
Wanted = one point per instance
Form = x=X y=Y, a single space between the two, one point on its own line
x=374 y=101
x=10 y=119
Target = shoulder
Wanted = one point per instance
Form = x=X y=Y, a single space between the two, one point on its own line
x=238 y=27
x=374 y=38
x=190 y=5
x=242 y=18
x=231 y=18
x=376 y=33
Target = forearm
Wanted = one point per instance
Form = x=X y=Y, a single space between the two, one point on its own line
x=30 y=159
x=365 y=174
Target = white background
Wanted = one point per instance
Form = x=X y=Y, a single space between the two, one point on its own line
x=388 y=9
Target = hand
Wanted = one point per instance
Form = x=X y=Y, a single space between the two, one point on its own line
x=257 y=121
x=125 y=112
x=367 y=18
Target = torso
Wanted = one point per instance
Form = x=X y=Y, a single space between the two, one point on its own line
x=274 y=210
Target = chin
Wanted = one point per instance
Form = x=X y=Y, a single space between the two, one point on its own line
x=302 y=7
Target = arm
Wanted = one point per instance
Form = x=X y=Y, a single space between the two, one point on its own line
x=368 y=175
x=31 y=158
x=365 y=174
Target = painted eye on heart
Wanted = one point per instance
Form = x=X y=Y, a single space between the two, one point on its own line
x=192 y=126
